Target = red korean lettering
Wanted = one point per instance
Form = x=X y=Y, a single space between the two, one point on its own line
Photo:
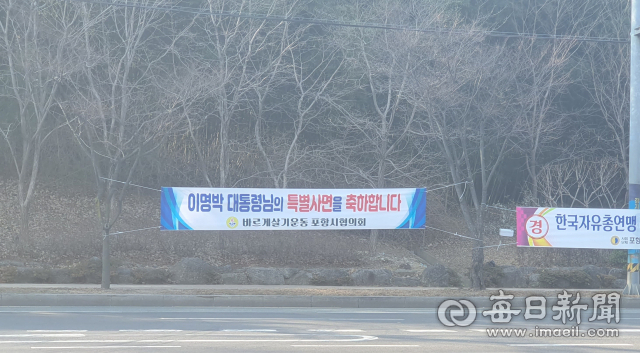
x=327 y=200
x=362 y=202
x=391 y=208
x=292 y=202
x=314 y=204
x=351 y=202
x=536 y=228
x=373 y=204
x=381 y=207
x=304 y=203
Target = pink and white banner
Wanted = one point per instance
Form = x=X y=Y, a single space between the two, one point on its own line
x=589 y=228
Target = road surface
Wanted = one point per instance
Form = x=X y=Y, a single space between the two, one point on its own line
x=162 y=329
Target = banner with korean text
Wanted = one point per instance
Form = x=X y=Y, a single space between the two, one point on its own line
x=279 y=209
x=588 y=228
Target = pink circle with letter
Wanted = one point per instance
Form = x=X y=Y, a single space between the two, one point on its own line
x=537 y=226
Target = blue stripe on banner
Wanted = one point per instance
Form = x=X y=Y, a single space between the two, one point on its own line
x=166 y=221
x=417 y=212
x=170 y=217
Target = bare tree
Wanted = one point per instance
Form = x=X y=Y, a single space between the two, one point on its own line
x=582 y=183
x=187 y=85
x=310 y=71
x=234 y=45
x=608 y=85
x=117 y=105
x=540 y=121
x=467 y=106
x=546 y=73
x=38 y=58
x=373 y=147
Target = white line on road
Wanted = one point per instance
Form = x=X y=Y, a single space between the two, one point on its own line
x=171 y=340
x=291 y=340
x=355 y=345
x=150 y=330
x=92 y=341
x=89 y=341
x=414 y=312
x=569 y=344
x=76 y=312
x=358 y=338
x=268 y=318
x=366 y=319
x=59 y=331
x=420 y=331
x=233 y=318
x=104 y=347
x=249 y=330
x=336 y=330
x=45 y=335
x=219 y=333
x=338 y=338
x=74 y=341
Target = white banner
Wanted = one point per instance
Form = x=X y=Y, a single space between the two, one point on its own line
x=279 y=209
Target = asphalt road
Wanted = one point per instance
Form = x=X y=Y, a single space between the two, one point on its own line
x=135 y=329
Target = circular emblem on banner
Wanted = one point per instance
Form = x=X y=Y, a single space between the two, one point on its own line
x=537 y=227
x=615 y=240
x=232 y=222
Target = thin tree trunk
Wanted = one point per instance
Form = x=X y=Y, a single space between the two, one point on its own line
x=23 y=236
x=224 y=154
x=106 y=261
x=477 y=254
x=477 y=273
x=373 y=237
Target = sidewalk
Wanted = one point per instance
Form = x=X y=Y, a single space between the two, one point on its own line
x=17 y=294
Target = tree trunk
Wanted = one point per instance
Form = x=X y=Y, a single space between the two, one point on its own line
x=106 y=261
x=24 y=225
x=373 y=242
x=224 y=154
x=373 y=237
x=477 y=253
x=477 y=262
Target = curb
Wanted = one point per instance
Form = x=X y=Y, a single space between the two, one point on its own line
x=259 y=301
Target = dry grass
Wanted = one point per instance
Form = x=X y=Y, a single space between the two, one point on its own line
x=64 y=232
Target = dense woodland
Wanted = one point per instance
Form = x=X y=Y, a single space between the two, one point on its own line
x=510 y=101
